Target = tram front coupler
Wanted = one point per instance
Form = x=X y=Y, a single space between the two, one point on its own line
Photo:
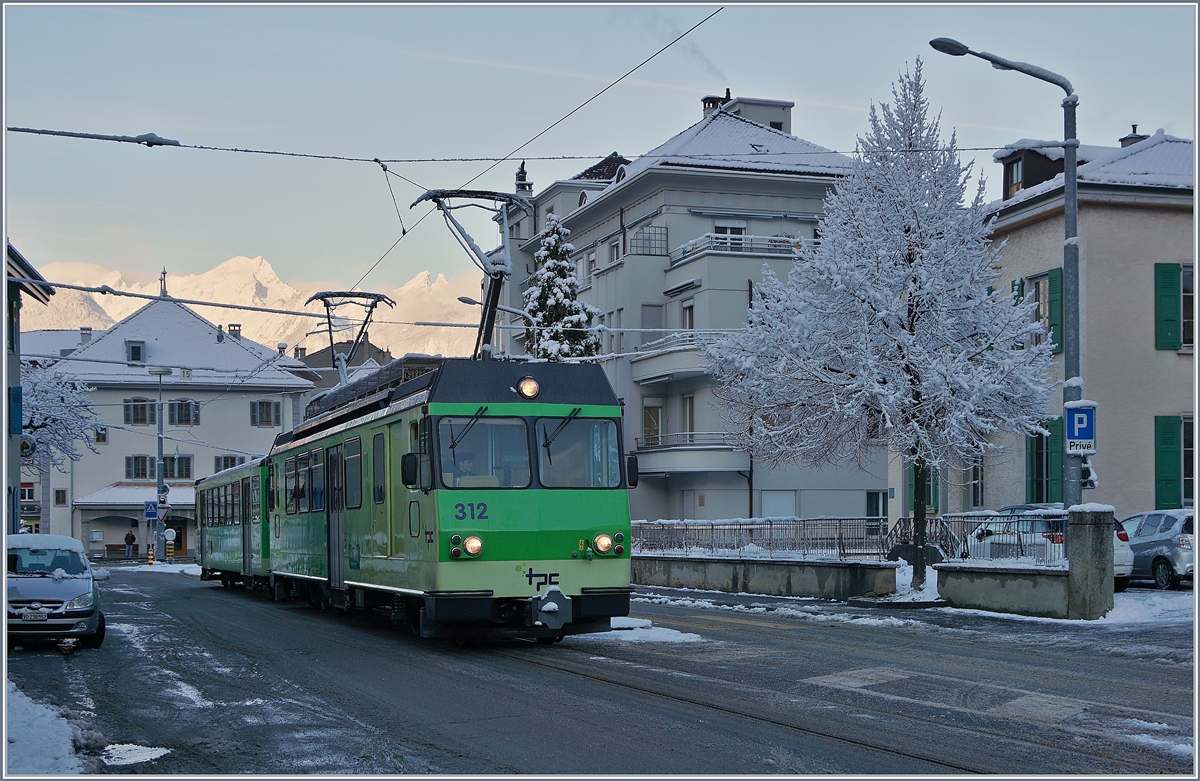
x=551 y=608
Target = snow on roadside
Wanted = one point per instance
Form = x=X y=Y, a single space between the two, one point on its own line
x=904 y=590
x=39 y=739
x=185 y=569
x=1184 y=749
x=640 y=630
x=808 y=612
x=1129 y=608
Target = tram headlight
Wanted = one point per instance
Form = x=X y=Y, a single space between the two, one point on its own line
x=602 y=543
x=473 y=545
x=528 y=387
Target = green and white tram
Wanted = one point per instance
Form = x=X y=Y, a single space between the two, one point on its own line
x=482 y=498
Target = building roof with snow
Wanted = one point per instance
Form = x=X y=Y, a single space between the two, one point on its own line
x=170 y=334
x=125 y=495
x=604 y=171
x=1159 y=161
x=17 y=266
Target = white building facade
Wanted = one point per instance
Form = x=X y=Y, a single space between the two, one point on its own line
x=225 y=400
x=668 y=248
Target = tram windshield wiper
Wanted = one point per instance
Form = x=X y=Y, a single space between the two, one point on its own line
x=454 y=441
x=548 y=439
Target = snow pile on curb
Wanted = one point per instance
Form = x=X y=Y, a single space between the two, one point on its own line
x=39 y=740
x=640 y=630
x=185 y=569
x=904 y=589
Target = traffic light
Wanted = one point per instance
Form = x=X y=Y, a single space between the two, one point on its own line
x=1087 y=474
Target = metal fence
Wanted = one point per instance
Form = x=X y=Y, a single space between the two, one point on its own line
x=1037 y=537
x=857 y=538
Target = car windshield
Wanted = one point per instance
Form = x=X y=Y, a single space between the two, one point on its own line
x=44 y=561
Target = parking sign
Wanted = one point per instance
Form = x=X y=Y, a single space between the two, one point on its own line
x=1081 y=428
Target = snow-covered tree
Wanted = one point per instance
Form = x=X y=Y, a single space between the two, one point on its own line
x=56 y=410
x=562 y=324
x=888 y=327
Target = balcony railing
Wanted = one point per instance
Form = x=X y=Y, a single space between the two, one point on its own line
x=30 y=510
x=743 y=245
x=685 y=439
x=695 y=339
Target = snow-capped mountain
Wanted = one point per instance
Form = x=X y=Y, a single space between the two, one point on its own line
x=253 y=282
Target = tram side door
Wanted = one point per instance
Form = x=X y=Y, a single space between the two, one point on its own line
x=247 y=572
x=335 y=503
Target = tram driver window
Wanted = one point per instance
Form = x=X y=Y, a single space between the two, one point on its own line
x=488 y=453
x=579 y=453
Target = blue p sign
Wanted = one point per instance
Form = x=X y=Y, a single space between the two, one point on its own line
x=1081 y=423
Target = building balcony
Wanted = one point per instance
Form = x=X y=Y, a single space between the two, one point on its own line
x=689 y=451
x=673 y=357
x=30 y=510
x=724 y=244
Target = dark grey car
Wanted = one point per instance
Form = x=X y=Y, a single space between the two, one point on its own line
x=1163 y=546
x=52 y=592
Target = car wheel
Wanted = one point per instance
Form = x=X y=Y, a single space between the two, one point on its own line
x=1120 y=584
x=95 y=639
x=1164 y=575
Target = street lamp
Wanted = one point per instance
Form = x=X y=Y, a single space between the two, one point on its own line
x=159 y=553
x=1072 y=391
x=518 y=312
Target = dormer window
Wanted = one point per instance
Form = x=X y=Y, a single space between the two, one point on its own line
x=135 y=352
x=1013 y=178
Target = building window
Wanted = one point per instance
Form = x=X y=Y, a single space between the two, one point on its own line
x=689 y=417
x=1189 y=467
x=26 y=492
x=1013 y=178
x=140 y=467
x=652 y=422
x=975 y=481
x=776 y=125
x=177 y=467
x=614 y=252
x=183 y=412
x=1043 y=464
x=221 y=463
x=932 y=489
x=264 y=414
x=651 y=240
x=1040 y=288
x=1046 y=292
x=590 y=265
x=101 y=435
x=1188 y=315
x=140 y=412
x=60 y=497
x=135 y=352
x=687 y=318
x=877 y=504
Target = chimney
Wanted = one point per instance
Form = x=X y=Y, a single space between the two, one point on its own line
x=85 y=334
x=220 y=334
x=282 y=348
x=1133 y=138
x=523 y=186
x=300 y=352
x=235 y=330
x=713 y=102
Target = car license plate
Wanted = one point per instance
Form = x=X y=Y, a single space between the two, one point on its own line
x=33 y=617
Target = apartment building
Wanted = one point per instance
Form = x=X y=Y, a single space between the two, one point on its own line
x=224 y=400
x=668 y=247
x=1136 y=258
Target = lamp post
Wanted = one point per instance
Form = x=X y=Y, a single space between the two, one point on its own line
x=1072 y=391
x=159 y=552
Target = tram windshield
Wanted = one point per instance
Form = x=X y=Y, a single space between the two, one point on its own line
x=578 y=452
x=486 y=452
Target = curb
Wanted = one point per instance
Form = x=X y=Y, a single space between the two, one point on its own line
x=895 y=605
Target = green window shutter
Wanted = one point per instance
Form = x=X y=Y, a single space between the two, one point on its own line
x=173 y=413
x=1056 y=308
x=254 y=413
x=1054 y=461
x=128 y=467
x=1168 y=462
x=1167 y=305
x=1018 y=290
x=1030 y=448
x=128 y=411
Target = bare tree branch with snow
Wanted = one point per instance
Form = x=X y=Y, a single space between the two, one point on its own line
x=888 y=326
x=57 y=412
x=562 y=324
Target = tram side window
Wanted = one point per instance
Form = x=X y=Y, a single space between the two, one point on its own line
x=377 y=468
x=271 y=505
x=354 y=475
x=289 y=486
x=236 y=499
x=302 y=482
x=225 y=514
x=255 y=499
x=425 y=448
x=578 y=453
x=317 y=480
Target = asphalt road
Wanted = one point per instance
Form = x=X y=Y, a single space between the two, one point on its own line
x=233 y=683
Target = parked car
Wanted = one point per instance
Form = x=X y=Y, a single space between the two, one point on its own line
x=1017 y=530
x=1163 y=544
x=52 y=593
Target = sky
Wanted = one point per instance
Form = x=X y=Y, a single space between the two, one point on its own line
x=454 y=81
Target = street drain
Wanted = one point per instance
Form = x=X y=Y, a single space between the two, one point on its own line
x=130 y=754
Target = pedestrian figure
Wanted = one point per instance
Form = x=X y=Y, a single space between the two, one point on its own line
x=129 y=541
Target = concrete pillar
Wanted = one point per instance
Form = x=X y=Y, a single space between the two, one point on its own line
x=1090 y=583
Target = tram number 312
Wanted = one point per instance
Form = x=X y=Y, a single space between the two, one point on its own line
x=478 y=512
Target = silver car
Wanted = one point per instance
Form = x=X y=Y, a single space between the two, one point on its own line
x=52 y=592
x=1163 y=546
